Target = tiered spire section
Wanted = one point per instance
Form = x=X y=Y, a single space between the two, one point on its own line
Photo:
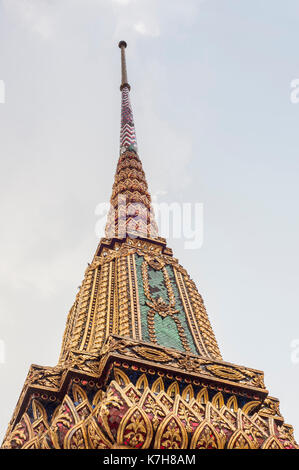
x=131 y=212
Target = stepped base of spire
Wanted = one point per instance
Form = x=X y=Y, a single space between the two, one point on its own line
x=135 y=395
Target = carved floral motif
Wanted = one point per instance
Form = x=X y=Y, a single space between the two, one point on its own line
x=118 y=420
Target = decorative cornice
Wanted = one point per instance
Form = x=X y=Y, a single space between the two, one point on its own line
x=207 y=369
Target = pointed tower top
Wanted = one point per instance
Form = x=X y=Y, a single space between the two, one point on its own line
x=124 y=78
x=131 y=212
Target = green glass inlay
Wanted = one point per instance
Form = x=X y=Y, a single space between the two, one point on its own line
x=165 y=328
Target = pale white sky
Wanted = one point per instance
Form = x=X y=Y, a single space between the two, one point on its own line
x=215 y=124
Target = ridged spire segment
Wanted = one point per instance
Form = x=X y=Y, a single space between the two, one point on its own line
x=127 y=129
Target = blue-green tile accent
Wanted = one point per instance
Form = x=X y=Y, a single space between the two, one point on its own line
x=165 y=328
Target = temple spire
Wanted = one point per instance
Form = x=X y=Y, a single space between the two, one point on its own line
x=131 y=212
x=140 y=367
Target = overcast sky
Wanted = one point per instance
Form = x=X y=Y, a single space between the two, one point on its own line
x=215 y=125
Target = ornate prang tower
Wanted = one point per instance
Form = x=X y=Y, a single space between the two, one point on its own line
x=139 y=365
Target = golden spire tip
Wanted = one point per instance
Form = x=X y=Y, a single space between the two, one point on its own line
x=122 y=44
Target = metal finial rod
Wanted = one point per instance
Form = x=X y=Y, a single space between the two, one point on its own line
x=124 y=78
